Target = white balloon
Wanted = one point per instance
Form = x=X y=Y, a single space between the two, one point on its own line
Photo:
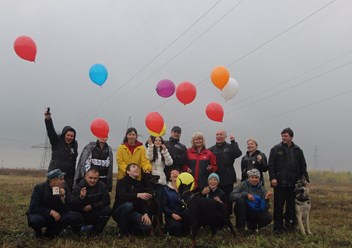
x=230 y=89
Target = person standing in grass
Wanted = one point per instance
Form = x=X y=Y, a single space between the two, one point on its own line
x=64 y=149
x=50 y=207
x=131 y=151
x=287 y=165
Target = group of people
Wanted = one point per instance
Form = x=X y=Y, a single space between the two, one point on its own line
x=146 y=191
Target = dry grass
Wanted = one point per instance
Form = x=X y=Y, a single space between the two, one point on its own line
x=331 y=217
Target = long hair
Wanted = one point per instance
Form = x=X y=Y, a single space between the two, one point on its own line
x=155 y=149
x=129 y=130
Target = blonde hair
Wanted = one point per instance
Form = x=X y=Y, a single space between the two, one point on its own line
x=197 y=135
x=253 y=140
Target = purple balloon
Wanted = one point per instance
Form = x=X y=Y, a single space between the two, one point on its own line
x=165 y=88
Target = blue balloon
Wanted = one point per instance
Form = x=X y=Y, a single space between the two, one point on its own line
x=98 y=74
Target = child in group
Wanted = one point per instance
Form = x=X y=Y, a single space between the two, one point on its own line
x=252 y=203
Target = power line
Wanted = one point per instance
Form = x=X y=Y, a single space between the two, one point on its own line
x=260 y=46
x=151 y=61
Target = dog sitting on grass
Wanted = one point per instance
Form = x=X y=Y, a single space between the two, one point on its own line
x=302 y=205
x=203 y=211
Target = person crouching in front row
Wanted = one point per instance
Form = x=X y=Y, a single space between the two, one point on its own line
x=251 y=203
x=130 y=208
x=92 y=200
x=50 y=207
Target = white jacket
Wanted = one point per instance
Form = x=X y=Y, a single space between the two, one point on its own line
x=158 y=164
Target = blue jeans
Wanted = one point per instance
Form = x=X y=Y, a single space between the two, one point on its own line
x=38 y=221
x=129 y=220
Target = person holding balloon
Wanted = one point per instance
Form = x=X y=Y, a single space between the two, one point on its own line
x=200 y=162
x=64 y=148
x=131 y=151
x=97 y=154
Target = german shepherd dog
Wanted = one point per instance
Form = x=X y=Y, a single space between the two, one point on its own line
x=149 y=181
x=302 y=205
x=204 y=212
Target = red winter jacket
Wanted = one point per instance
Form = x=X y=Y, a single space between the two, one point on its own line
x=198 y=163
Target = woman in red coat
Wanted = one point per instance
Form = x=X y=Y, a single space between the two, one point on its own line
x=200 y=161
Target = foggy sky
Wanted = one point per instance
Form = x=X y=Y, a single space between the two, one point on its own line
x=292 y=60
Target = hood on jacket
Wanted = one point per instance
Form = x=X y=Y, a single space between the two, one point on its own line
x=66 y=129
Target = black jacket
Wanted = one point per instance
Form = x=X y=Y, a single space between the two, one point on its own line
x=287 y=164
x=43 y=200
x=126 y=191
x=177 y=151
x=225 y=158
x=251 y=162
x=97 y=196
x=63 y=155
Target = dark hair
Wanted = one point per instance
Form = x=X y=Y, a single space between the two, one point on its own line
x=129 y=130
x=128 y=167
x=155 y=149
x=93 y=169
x=287 y=130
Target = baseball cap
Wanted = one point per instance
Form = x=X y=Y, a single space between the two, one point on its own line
x=176 y=129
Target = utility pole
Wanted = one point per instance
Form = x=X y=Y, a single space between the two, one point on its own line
x=315 y=161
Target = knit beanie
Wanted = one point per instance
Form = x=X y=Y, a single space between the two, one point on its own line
x=253 y=172
x=214 y=175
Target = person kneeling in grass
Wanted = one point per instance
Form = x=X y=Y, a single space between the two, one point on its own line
x=251 y=203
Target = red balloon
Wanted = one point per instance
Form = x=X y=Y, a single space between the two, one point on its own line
x=25 y=48
x=100 y=128
x=186 y=92
x=154 y=122
x=215 y=111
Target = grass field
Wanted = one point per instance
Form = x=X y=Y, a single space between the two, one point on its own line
x=331 y=219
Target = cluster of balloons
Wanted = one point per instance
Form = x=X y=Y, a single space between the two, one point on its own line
x=220 y=77
x=185 y=92
x=98 y=74
x=25 y=48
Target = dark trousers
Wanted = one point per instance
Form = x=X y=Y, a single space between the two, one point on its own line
x=53 y=228
x=97 y=218
x=129 y=220
x=253 y=219
x=284 y=195
x=227 y=190
x=177 y=227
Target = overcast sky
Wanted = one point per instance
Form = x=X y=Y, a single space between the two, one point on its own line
x=291 y=58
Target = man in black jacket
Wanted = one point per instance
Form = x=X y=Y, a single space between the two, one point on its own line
x=130 y=208
x=286 y=166
x=64 y=149
x=50 y=207
x=92 y=200
x=177 y=150
x=225 y=158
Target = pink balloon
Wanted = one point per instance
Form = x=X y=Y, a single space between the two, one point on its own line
x=165 y=88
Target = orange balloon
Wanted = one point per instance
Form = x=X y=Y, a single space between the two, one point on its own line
x=186 y=92
x=214 y=111
x=220 y=76
x=154 y=122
